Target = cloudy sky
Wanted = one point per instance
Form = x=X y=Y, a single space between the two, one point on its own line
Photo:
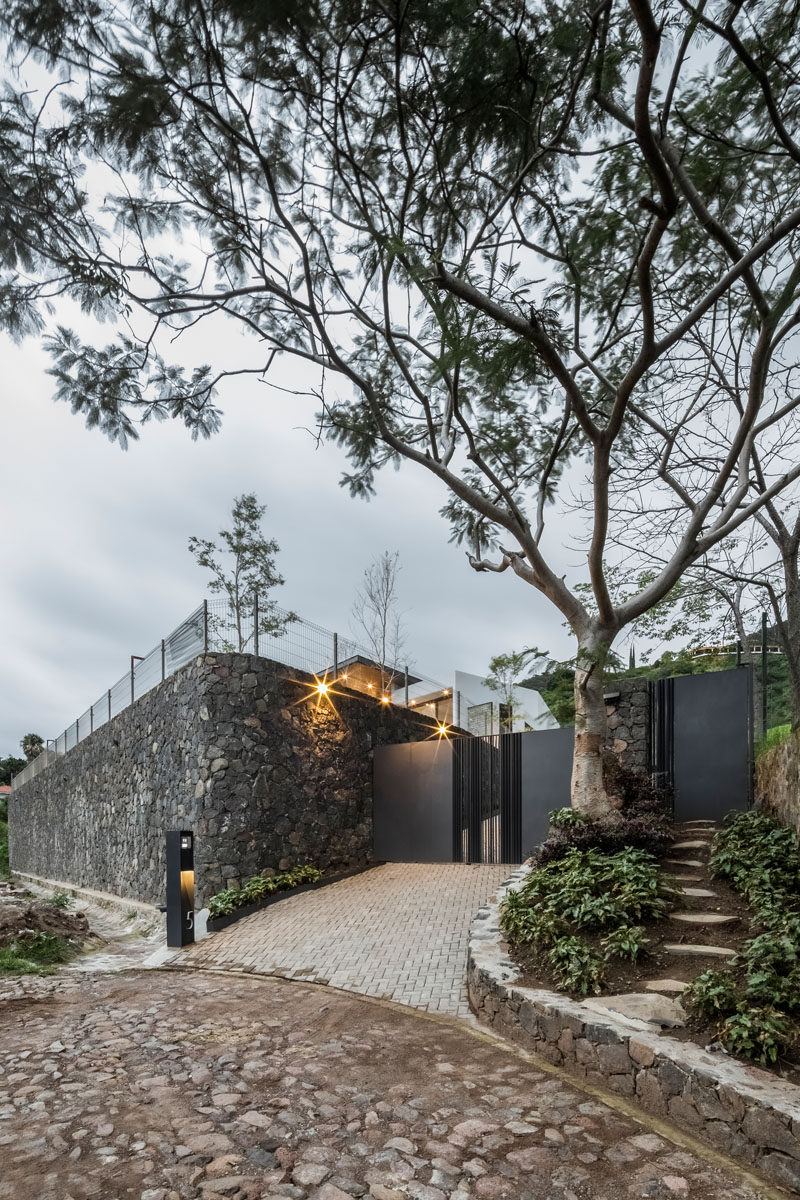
x=93 y=541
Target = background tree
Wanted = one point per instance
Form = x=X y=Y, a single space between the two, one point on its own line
x=505 y=673
x=9 y=767
x=32 y=745
x=246 y=571
x=503 y=233
x=377 y=617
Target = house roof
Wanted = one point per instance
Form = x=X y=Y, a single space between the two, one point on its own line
x=359 y=660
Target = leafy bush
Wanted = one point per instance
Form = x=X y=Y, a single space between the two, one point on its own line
x=712 y=994
x=586 y=890
x=639 y=796
x=626 y=941
x=260 y=887
x=759 y=858
x=561 y=818
x=59 y=899
x=641 y=833
x=758 y=1033
x=576 y=967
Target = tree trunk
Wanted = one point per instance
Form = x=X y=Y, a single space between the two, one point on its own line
x=589 y=794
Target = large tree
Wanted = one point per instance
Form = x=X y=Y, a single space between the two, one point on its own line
x=498 y=229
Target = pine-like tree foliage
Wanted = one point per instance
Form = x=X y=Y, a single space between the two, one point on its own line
x=511 y=236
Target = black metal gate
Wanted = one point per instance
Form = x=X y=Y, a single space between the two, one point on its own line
x=701 y=741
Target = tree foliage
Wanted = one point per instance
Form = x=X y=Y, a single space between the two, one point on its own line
x=245 y=574
x=518 y=241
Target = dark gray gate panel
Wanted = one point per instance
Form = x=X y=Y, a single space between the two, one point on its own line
x=713 y=750
x=546 y=776
x=413 y=805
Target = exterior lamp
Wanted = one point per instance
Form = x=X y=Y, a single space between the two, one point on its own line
x=384 y=699
x=322 y=688
x=442 y=730
x=180 y=887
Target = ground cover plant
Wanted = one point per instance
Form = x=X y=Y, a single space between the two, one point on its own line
x=584 y=909
x=757 y=1000
x=259 y=888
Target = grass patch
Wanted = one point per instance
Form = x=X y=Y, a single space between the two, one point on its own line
x=775 y=736
x=36 y=954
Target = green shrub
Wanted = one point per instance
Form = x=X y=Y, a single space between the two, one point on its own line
x=585 y=891
x=562 y=818
x=627 y=942
x=59 y=900
x=576 y=967
x=260 y=887
x=712 y=994
x=758 y=1033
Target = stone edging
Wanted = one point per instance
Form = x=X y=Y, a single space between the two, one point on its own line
x=741 y=1110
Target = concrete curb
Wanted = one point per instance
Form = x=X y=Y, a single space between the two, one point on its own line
x=742 y=1110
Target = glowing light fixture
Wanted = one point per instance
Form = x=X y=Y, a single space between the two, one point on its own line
x=322 y=688
x=442 y=730
x=384 y=699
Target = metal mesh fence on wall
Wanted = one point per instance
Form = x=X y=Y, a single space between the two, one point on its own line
x=267 y=631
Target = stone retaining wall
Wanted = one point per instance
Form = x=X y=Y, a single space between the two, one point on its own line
x=628 y=714
x=741 y=1110
x=777 y=787
x=235 y=748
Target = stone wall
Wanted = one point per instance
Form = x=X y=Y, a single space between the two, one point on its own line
x=742 y=1110
x=777 y=786
x=628 y=712
x=234 y=747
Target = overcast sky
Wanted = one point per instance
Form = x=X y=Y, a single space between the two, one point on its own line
x=93 y=541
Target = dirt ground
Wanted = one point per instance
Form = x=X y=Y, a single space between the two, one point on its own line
x=158 y=1085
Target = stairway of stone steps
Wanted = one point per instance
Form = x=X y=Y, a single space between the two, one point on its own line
x=693 y=838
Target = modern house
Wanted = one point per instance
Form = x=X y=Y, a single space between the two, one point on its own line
x=473 y=706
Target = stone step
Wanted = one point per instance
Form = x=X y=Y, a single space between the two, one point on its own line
x=692 y=824
x=694 y=844
x=673 y=986
x=703 y=893
x=686 y=878
x=699 y=951
x=701 y=918
x=686 y=862
x=640 y=1006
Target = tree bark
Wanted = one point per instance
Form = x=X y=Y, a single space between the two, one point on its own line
x=589 y=794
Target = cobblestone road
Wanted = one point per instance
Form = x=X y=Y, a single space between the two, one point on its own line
x=398 y=932
x=181 y=1086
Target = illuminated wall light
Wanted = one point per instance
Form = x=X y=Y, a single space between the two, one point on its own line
x=442 y=730
x=384 y=699
x=322 y=688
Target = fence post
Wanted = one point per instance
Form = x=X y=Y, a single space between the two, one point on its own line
x=163 y=660
x=77 y=730
x=255 y=623
x=406 y=687
x=109 y=704
x=205 y=627
x=336 y=656
x=91 y=719
x=131 y=679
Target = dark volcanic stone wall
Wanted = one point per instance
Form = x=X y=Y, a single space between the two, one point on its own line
x=233 y=747
x=628 y=712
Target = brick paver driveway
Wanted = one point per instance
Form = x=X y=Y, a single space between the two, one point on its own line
x=398 y=932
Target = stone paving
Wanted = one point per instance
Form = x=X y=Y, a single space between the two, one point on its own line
x=398 y=932
x=166 y=1085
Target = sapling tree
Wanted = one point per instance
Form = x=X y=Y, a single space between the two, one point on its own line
x=242 y=568
x=377 y=617
x=502 y=234
x=505 y=674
